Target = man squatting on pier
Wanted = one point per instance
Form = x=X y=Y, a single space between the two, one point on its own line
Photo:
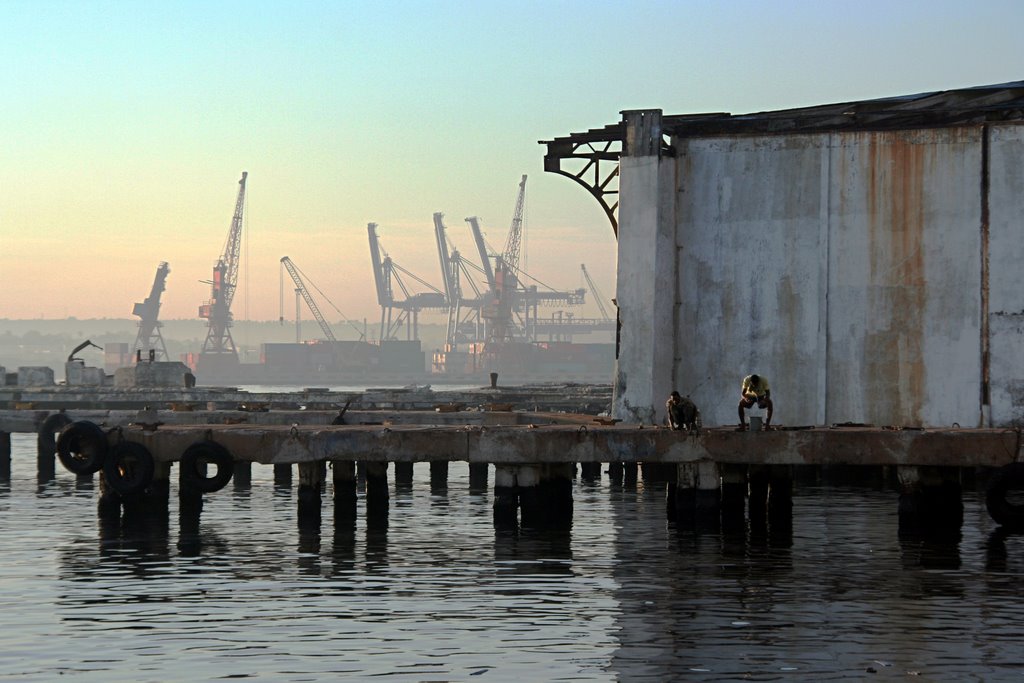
x=681 y=413
x=755 y=390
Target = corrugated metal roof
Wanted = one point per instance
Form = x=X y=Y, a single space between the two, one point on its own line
x=973 y=105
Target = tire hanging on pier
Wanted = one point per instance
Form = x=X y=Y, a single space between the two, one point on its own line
x=82 y=447
x=128 y=468
x=206 y=453
x=1007 y=480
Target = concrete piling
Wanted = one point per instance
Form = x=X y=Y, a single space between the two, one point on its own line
x=5 y=456
x=733 y=496
x=590 y=471
x=757 y=478
x=377 y=495
x=506 y=497
x=311 y=486
x=242 y=475
x=780 y=494
x=282 y=475
x=478 y=477
x=345 y=495
x=556 y=488
x=439 y=475
x=930 y=498
x=403 y=475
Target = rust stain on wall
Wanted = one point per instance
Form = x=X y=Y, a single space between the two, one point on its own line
x=894 y=369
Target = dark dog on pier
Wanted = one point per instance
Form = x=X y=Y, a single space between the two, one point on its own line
x=682 y=414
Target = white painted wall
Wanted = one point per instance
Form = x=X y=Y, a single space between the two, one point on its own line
x=845 y=267
x=644 y=289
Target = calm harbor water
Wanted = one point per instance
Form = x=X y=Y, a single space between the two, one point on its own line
x=436 y=594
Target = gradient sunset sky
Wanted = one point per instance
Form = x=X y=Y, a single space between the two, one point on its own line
x=125 y=126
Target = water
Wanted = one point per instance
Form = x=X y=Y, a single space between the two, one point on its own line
x=436 y=594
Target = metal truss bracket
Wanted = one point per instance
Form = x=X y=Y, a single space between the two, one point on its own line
x=597 y=164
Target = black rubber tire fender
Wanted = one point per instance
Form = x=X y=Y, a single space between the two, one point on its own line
x=1008 y=478
x=82 y=447
x=128 y=468
x=210 y=453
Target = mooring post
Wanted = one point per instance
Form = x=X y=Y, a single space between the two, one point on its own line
x=376 y=487
x=506 y=496
x=403 y=475
x=311 y=484
x=615 y=472
x=478 y=477
x=283 y=475
x=344 y=479
x=5 y=456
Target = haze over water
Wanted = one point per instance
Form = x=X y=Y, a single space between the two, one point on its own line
x=436 y=594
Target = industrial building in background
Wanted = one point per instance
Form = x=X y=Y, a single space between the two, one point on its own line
x=864 y=256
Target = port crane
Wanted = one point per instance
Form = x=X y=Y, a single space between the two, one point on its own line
x=511 y=311
x=302 y=290
x=219 y=348
x=456 y=270
x=149 y=338
x=387 y=273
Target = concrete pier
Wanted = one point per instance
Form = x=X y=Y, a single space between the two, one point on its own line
x=720 y=476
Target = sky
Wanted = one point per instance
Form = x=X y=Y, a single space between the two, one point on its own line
x=125 y=127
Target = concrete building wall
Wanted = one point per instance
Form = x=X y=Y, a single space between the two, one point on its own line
x=1006 y=274
x=847 y=267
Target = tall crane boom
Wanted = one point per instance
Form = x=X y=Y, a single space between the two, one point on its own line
x=595 y=292
x=300 y=286
x=481 y=247
x=232 y=245
x=515 y=232
x=149 y=337
x=225 y=279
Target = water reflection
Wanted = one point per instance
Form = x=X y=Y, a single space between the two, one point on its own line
x=431 y=590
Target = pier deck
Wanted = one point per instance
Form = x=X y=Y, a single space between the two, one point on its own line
x=535 y=454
